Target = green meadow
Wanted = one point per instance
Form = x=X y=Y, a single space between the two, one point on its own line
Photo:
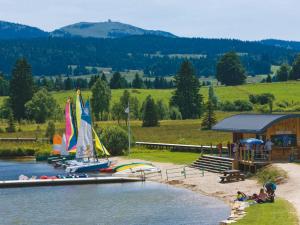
x=283 y=91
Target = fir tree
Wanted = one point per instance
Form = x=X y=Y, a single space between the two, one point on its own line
x=50 y=131
x=269 y=79
x=283 y=73
x=21 y=87
x=137 y=81
x=150 y=115
x=103 y=78
x=209 y=118
x=186 y=95
x=295 y=72
x=11 y=126
x=212 y=96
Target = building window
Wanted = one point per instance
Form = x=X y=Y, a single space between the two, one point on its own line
x=284 y=140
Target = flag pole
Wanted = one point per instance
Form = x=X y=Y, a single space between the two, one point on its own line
x=128 y=128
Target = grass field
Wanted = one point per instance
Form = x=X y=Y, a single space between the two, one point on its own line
x=169 y=131
x=163 y=156
x=278 y=213
x=283 y=91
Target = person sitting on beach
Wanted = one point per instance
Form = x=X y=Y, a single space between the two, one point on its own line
x=241 y=196
x=262 y=196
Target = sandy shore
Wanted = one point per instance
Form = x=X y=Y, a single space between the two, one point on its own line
x=207 y=185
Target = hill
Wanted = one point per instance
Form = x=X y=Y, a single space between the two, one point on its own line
x=295 y=45
x=154 y=55
x=107 y=29
x=16 y=31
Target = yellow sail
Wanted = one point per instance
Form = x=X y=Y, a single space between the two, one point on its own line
x=78 y=109
x=98 y=144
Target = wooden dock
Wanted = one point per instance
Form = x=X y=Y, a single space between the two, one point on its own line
x=181 y=147
x=66 y=181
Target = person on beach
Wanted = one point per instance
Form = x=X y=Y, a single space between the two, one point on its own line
x=241 y=196
x=262 y=197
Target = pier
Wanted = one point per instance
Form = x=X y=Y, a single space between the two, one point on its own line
x=67 y=181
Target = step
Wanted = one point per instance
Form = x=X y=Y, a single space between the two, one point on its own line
x=212 y=164
x=212 y=167
x=208 y=169
x=217 y=158
x=214 y=161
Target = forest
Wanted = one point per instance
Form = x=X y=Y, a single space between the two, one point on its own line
x=155 y=55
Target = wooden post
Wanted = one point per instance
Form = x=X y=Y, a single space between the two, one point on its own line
x=211 y=149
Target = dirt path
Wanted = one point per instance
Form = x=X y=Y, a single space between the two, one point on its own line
x=291 y=190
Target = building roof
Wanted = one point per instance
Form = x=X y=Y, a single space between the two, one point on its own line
x=251 y=123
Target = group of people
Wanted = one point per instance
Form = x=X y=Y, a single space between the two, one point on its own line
x=266 y=194
x=265 y=148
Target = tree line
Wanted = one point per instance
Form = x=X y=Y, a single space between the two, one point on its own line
x=53 y=56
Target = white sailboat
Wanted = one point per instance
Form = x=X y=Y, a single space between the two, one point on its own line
x=86 y=157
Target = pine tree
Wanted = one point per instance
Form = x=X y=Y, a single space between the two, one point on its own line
x=269 y=79
x=209 y=118
x=283 y=73
x=186 y=95
x=295 y=72
x=21 y=87
x=150 y=115
x=230 y=70
x=50 y=131
x=212 y=96
x=103 y=78
x=137 y=81
x=11 y=128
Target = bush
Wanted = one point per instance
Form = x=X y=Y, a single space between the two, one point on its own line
x=270 y=173
x=243 y=105
x=115 y=139
x=238 y=105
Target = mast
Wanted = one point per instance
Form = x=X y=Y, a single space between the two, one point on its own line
x=94 y=149
x=128 y=112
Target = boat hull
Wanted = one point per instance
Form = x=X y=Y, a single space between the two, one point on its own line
x=89 y=167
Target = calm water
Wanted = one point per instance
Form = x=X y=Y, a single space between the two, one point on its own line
x=107 y=204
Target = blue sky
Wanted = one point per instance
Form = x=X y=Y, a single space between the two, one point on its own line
x=242 y=19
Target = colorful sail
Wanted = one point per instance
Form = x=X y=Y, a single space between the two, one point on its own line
x=63 y=146
x=99 y=145
x=71 y=139
x=79 y=108
x=85 y=147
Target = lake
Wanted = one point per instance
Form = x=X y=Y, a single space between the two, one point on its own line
x=108 y=204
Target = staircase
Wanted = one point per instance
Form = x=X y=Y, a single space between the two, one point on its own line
x=213 y=164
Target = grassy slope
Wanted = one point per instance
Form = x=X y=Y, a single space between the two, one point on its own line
x=289 y=91
x=278 y=213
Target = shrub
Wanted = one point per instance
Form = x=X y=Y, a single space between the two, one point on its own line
x=238 y=105
x=115 y=139
x=270 y=173
x=243 y=105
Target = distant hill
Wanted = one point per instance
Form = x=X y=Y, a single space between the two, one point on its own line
x=155 y=55
x=15 y=31
x=295 y=45
x=107 y=29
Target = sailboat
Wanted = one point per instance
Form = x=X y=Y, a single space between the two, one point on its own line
x=86 y=156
